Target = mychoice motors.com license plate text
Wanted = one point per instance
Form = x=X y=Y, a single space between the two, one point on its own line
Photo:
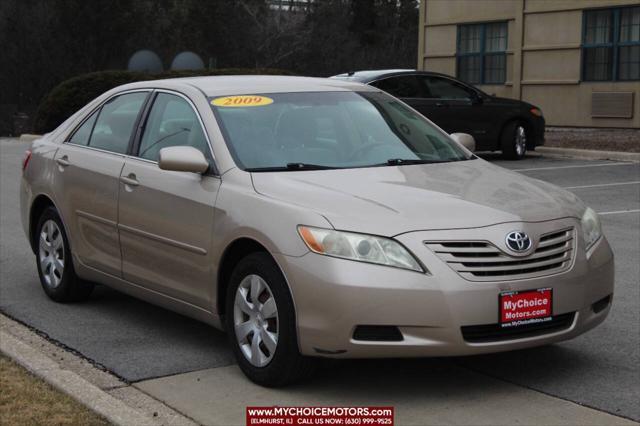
x=525 y=307
x=371 y=416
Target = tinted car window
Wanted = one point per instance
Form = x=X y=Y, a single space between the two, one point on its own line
x=83 y=133
x=172 y=122
x=115 y=123
x=401 y=87
x=442 y=88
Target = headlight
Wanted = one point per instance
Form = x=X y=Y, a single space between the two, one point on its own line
x=591 y=229
x=360 y=247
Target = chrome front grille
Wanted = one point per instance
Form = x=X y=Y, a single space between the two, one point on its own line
x=483 y=261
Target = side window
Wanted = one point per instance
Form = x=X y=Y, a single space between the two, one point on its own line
x=442 y=88
x=171 y=122
x=115 y=123
x=83 y=133
x=400 y=87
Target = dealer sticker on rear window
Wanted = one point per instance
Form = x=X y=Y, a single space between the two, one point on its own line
x=242 y=101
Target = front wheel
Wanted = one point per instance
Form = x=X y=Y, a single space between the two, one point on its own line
x=55 y=266
x=514 y=141
x=261 y=324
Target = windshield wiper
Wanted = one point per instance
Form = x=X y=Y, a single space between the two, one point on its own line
x=291 y=167
x=307 y=166
x=402 y=161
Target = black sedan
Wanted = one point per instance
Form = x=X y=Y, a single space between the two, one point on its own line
x=497 y=124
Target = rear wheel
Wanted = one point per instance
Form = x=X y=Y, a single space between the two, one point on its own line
x=261 y=324
x=55 y=267
x=514 y=140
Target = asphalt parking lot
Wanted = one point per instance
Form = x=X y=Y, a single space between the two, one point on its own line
x=140 y=342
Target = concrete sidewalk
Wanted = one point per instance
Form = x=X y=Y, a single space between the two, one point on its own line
x=423 y=392
x=588 y=154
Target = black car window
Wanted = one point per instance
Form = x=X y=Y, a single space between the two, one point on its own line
x=443 y=88
x=172 y=122
x=405 y=86
x=83 y=133
x=115 y=123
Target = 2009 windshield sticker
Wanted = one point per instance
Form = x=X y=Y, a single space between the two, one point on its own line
x=241 y=101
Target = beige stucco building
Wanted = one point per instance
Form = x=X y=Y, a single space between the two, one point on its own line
x=579 y=60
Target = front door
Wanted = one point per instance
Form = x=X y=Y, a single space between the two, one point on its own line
x=458 y=108
x=165 y=217
x=88 y=167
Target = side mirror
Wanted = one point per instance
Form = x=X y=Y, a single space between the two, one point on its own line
x=182 y=159
x=465 y=140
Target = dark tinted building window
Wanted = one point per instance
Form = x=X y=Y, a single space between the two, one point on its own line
x=611 y=44
x=481 y=56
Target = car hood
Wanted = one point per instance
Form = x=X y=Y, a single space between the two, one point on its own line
x=510 y=102
x=393 y=200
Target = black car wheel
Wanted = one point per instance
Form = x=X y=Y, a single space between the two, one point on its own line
x=514 y=141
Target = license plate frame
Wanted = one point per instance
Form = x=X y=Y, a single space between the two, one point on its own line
x=523 y=307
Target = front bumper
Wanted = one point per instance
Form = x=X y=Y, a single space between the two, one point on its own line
x=537 y=136
x=333 y=296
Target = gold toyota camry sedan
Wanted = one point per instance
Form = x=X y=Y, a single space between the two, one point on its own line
x=309 y=218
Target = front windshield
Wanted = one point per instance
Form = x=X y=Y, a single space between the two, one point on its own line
x=328 y=130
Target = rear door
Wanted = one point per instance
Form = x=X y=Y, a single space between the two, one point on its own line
x=165 y=217
x=86 y=180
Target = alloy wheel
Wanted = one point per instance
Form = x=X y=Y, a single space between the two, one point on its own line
x=51 y=253
x=520 y=141
x=255 y=319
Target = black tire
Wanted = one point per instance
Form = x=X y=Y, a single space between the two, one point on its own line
x=513 y=148
x=70 y=288
x=287 y=365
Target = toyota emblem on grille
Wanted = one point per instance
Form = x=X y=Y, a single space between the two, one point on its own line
x=518 y=241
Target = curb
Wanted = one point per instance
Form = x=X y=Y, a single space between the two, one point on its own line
x=98 y=390
x=112 y=409
x=27 y=137
x=588 y=154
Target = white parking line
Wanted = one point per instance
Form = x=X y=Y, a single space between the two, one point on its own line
x=573 y=167
x=635 y=182
x=619 y=212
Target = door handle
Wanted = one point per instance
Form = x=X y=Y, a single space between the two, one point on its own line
x=129 y=180
x=441 y=104
x=63 y=161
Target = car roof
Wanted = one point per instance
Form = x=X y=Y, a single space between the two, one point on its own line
x=249 y=84
x=367 y=76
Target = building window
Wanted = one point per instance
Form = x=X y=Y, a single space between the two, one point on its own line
x=611 y=44
x=481 y=53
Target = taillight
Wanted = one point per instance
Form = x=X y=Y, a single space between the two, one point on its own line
x=25 y=159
